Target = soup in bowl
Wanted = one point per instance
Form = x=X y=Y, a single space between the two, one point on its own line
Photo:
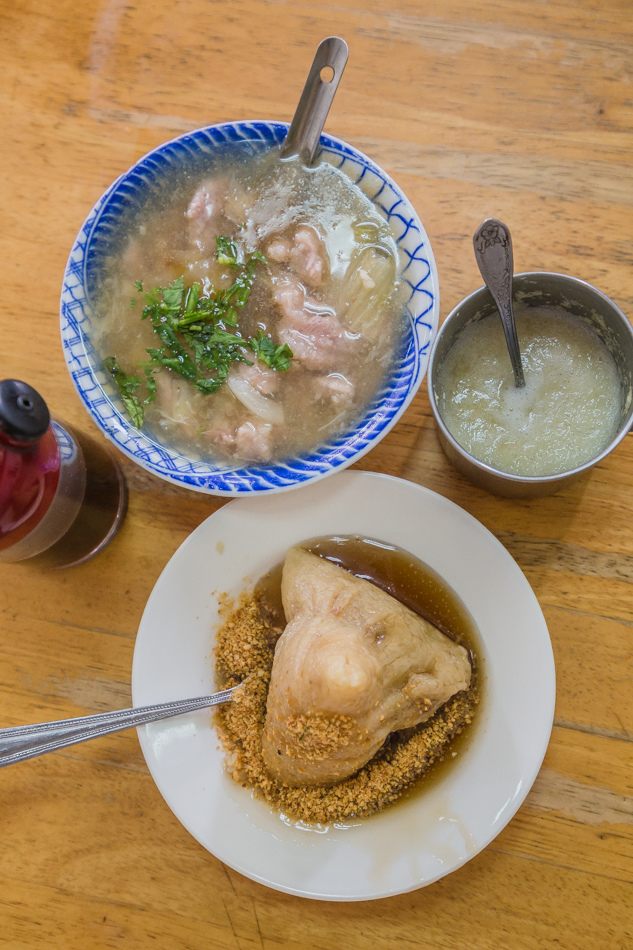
x=239 y=323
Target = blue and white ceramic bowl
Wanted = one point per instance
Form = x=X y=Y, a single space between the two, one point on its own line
x=97 y=392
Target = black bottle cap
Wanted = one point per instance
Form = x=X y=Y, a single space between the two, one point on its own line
x=24 y=415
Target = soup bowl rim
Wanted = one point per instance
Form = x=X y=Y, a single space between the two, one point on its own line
x=96 y=392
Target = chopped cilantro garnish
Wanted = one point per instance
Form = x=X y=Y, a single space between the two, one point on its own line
x=227 y=252
x=172 y=295
x=277 y=357
x=127 y=386
x=198 y=334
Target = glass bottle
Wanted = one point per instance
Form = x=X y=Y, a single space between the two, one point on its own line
x=62 y=495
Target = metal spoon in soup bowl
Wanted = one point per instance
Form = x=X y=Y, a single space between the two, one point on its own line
x=317 y=96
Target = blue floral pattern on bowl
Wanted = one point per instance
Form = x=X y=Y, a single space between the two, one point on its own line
x=97 y=392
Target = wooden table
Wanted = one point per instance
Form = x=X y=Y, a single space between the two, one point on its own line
x=506 y=108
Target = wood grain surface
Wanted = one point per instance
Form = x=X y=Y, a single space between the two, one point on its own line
x=517 y=109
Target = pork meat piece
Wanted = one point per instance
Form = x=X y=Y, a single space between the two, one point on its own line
x=253 y=441
x=352 y=665
x=204 y=215
x=248 y=441
x=334 y=388
x=313 y=332
x=305 y=254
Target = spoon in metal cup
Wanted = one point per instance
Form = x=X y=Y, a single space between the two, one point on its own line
x=18 y=743
x=313 y=107
x=493 y=253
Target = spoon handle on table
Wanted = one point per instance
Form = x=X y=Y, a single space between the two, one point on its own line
x=308 y=121
x=18 y=743
x=493 y=252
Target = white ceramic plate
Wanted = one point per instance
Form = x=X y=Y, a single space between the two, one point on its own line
x=432 y=833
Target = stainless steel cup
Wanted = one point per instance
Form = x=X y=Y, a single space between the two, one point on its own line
x=537 y=288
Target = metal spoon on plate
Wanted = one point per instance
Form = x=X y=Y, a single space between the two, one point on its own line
x=493 y=253
x=18 y=743
x=318 y=92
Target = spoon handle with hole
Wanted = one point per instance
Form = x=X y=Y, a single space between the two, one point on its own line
x=493 y=252
x=18 y=743
x=308 y=121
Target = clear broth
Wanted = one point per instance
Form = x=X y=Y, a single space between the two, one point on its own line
x=265 y=200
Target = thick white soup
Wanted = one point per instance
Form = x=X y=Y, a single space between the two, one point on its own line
x=568 y=411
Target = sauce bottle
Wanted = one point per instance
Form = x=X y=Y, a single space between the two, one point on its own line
x=62 y=495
